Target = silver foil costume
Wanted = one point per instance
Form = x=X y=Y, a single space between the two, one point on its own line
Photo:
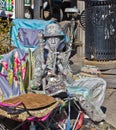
x=52 y=72
x=51 y=58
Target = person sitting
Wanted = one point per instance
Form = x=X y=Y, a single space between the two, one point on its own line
x=52 y=73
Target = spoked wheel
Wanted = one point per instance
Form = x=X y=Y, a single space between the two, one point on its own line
x=82 y=19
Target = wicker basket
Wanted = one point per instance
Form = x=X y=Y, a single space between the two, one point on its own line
x=38 y=105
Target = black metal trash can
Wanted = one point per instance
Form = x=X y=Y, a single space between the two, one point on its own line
x=100 y=30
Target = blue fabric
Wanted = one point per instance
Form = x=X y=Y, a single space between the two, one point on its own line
x=76 y=90
x=68 y=121
x=29 y=37
x=27 y=24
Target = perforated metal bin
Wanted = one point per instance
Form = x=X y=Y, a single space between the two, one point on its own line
x=100 y=29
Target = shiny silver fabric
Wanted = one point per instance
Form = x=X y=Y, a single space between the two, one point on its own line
x=53 y=73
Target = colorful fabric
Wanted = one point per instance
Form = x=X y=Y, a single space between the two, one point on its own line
x=12 y=73
x=24 y=33
x=34 y=25
x=90 y=92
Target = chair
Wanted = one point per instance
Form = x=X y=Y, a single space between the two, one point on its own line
x=15 y=103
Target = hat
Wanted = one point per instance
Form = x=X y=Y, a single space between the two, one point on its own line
x=53 y=30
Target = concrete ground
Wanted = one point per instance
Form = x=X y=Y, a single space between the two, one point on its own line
x=110 y=105
x=110 y=97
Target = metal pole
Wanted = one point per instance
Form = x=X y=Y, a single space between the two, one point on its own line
x=19 y=8
x=38 y=7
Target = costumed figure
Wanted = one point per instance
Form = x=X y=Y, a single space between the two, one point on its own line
x=52 y=73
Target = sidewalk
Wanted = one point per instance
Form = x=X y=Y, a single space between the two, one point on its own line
x=110 y=104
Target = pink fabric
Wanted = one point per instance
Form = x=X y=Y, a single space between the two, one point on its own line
x=5 y=64
x=23 y=72
x=39 y=119
x=12 y=105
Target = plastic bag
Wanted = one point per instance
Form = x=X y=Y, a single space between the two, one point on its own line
x=90 y=92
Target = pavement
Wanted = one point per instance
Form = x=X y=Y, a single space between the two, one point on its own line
x=110 y=105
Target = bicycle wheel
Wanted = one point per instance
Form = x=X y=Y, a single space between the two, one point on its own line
x=82 y=19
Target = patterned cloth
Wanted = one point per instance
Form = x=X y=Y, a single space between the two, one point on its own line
x=12 y=73
x=28 y=25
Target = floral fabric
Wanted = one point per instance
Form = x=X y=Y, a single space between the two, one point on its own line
x=12 y=74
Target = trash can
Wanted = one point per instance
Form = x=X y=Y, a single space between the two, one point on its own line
x=100 y=30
